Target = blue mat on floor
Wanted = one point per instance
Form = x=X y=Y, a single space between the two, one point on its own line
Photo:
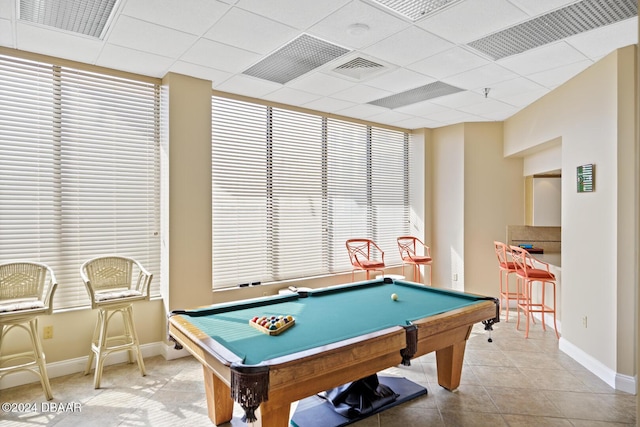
x=315 y=411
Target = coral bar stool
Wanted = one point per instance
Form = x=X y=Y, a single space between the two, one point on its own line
x=506 y=266
x=416 y=253
x=26 y=292
x=531 y=270
x=114 y=283
x=365 y=255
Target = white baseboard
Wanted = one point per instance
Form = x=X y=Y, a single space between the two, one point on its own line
x=615 y=380
x=73 y=366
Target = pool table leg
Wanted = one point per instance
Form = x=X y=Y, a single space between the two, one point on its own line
x=219 y=401
x=449 y=362
x=271 y=414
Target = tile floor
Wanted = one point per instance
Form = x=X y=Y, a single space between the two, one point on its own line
x=512 y=381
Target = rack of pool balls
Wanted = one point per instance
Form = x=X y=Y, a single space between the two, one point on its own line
x=272 y=325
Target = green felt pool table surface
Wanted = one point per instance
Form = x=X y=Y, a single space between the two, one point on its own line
x=325 y=316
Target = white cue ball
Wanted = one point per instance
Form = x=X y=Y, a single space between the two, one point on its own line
x=394 y=297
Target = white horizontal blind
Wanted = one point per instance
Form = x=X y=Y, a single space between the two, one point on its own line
x=389 y=190
x=289 y=189
x=101 y=177
x=349 y=213
x=29 y=163
x=239 y=174
x=296 y=221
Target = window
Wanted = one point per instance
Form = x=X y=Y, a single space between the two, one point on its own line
x=289 y=188
x=79 y=170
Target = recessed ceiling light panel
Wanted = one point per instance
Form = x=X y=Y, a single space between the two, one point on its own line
x=88 y=17
x=415 y=9
x=562 y=23
x=419 y=94
x=296 y=58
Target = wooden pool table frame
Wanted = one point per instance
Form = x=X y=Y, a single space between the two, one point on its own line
x=299 y=375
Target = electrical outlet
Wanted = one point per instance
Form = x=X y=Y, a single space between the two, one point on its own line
x=584 y=321
x=455 y=277
x=47 y=332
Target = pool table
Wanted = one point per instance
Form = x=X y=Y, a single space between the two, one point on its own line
x=341 y=334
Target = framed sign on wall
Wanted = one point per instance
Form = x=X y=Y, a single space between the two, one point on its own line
x=586 y=178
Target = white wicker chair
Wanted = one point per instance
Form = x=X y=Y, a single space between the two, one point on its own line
x=113 y=284
x=26 y=292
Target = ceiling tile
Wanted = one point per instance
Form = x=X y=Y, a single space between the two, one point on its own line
x=63 y=44
x=362 y=111
x=189 y=16
x=249 y=86
x=454 y=116
x=459 y=99
x=140 y=35
x=559 y=75
x=418 y=122
x=408 y=46
x=523 y=99
x=487 y=106
x=390 y=117
x=6 y=33
x=424 y=108
x=538 y=7
x=290 y=12
x=603 y=40
x=449 y=62
x=481 y=77
x=513 y=87
x=7 y=9
x=361 y=94
x=542 y=58
x=251 y=32
x=287 y=95
x=220 y=56
x=330 y=105
x=472 y=19
x=134 y=61
x=320 y=83
x=335 y=27
x=399 y=80
x=207 y=73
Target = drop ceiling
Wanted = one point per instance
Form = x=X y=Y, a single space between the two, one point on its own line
x=404 y=63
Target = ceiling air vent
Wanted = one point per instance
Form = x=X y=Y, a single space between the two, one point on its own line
x=561 y=23
x=415 y=9
x=296 y=58
x=360 y=68
x=88 y=17
x=411 y=96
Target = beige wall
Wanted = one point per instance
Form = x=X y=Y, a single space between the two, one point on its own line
x=186 y=244
x=476 y=194
x=594 y=116
x=447 y=205
x=493 y=199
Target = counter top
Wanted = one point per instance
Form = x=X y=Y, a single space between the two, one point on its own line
x=553 y=258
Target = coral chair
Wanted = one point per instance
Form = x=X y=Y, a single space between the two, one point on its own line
x=365 y=255
x=114 y=283
x=530 y=270
x=416 y=253
x=26 y=292
x=507 y=266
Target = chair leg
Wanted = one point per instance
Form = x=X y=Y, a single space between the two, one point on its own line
x=101 y=347
x=134 y=339
x=39 y=356
x=94 y=342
